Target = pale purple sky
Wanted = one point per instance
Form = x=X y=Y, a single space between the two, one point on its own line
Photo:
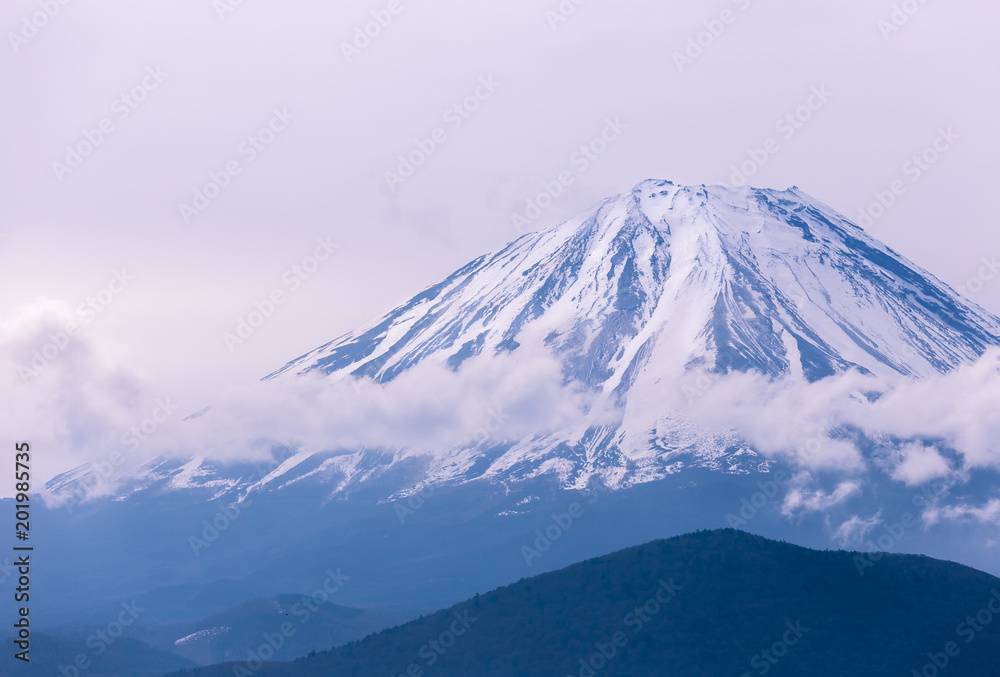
x=208 y=80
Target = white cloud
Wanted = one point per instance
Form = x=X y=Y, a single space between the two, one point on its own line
x=961 y=407
x=85 y=405
x=797 y=422
x=800 y=500
x=919 y=465
x=71 y=397
x=428 y=408
x=989 y=513
x=786 y=419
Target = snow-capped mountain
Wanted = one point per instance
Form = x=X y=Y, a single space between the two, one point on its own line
x=642 y=298
x=737 y=279
x=633 y=298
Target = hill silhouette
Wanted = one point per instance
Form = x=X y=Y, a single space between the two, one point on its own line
x=709 y=603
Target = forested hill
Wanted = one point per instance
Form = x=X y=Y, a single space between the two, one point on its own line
x=709 y=603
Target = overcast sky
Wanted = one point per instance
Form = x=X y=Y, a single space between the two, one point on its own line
x=116 y=111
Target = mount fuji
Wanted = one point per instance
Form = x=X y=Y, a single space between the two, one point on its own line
x=668 y=276
x=644 y=302
x=640 y=299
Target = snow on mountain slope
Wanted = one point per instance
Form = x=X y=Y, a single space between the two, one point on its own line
x=737 y=279
x=634 y=298
x=650 y=287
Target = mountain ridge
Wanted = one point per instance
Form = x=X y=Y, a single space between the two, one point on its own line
x=710 y=602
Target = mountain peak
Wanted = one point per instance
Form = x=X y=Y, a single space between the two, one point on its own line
x=646 y=289
x=732 y=278
x=624 y=307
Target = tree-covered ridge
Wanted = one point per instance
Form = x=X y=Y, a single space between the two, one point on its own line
x=709 y=603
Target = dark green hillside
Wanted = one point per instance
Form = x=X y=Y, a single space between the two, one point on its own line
x=710 y=603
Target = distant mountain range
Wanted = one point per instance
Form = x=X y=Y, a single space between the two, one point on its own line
x=155 y=641
x=709 y=603
x=55 y=655
x=230 y=634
